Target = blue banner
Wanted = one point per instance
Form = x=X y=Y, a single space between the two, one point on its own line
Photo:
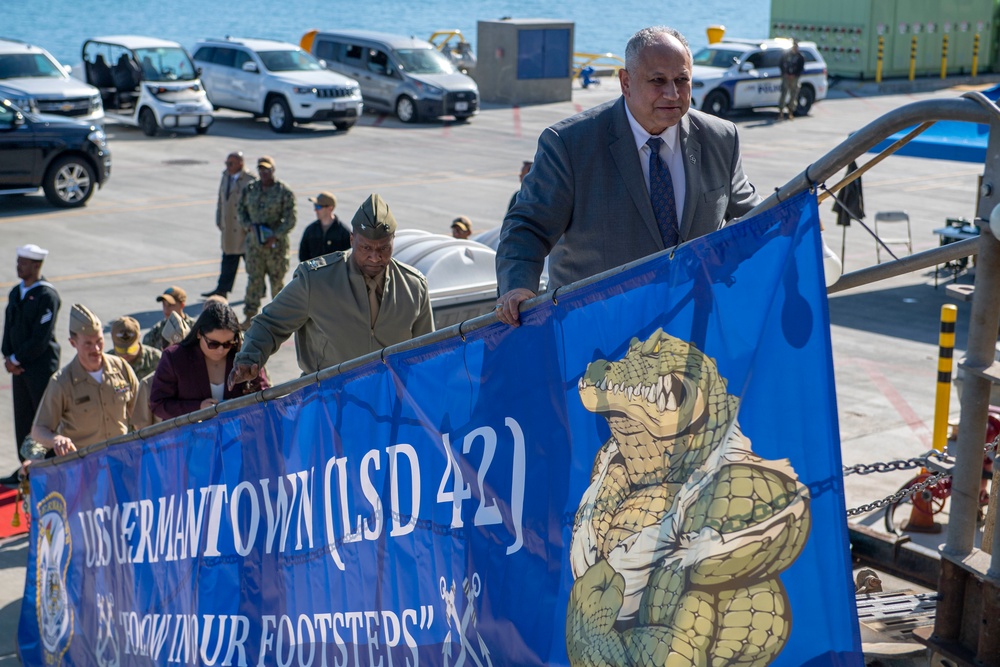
x=648 y=468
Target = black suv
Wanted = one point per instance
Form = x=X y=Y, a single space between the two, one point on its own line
x=68 y=159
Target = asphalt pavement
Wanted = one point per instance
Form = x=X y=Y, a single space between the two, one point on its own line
x=152 y=226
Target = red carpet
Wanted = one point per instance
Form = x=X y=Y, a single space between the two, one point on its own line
x=8 y=498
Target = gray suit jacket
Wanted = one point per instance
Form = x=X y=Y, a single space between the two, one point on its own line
x=585 y=199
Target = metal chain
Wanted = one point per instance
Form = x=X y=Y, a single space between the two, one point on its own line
x=899 y=495
x=900 y=464
x=905 y=464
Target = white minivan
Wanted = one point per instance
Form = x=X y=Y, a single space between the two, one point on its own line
x=397 y=74
x=148 y=82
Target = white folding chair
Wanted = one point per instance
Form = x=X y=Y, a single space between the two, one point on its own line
x=895 y=219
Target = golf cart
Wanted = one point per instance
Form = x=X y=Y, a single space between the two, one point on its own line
x=146 y=82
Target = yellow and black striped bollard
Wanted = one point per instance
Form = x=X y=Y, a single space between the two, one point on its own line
x=946 y=353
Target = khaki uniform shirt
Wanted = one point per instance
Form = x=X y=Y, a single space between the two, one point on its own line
x=326 y=306
x=145 y=362
x=76 y=406
x=154 y=337
x=274 y=207
x=142 y=415
x=234 y=235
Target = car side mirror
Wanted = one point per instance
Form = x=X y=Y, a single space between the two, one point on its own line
x=250 y=66
x=66 y=68
x=322 y=63
x=197 y=72
x=746 y=67
x=16 y=121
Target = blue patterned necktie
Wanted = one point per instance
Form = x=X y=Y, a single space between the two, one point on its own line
x=661 y=195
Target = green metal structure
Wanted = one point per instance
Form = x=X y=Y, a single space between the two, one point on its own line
x=847 y=33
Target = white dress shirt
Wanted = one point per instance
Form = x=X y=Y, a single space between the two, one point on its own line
x=670 y=153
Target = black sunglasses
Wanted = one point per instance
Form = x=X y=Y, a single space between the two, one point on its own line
x=215 y=344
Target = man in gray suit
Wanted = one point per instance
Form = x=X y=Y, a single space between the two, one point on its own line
x=599 y=196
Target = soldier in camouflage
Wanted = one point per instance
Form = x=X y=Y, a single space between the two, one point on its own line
x=267 y=212
x=125 y=339
x=173 y=301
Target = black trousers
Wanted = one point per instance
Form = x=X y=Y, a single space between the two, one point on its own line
x=28 y=388
x=227 y=274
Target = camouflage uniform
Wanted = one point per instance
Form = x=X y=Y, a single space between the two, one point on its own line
x=154 y=337
x=273 y=208
x=145 y=362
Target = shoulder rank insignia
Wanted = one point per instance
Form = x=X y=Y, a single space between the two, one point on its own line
x=316 y=263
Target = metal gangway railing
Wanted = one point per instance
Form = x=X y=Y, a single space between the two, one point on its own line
x=967 y=625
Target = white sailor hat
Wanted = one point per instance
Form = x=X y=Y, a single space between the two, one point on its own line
x=31 y=251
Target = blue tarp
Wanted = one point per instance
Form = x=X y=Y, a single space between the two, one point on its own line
x=947 y=139
x=648 y=465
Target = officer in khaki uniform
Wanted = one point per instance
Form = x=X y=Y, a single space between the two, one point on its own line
x=125 y=344
x=235 y=180
x=267 y=212
x=90 y=399
x=343 y=305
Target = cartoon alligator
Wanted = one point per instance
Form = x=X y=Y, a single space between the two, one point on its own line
x=680 y=537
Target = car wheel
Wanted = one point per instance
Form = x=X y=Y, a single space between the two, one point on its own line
x=716 y=103
x=806 y=98
x=279 y=116
x=69 y=182
x=200 y=129
x=406 y=109
x=147 y=122
x=344 y=127
x=462 y=119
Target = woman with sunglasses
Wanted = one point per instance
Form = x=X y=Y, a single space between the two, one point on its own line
x=192 y=374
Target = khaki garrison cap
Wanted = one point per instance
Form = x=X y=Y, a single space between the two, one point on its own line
x=374 y=220
x=82 y=321
x=175 y=330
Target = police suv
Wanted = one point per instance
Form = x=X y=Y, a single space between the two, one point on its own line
x=745 y=74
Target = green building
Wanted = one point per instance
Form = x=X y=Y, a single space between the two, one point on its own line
x=847 y=33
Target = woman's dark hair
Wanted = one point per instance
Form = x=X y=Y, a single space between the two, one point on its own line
x=215 y=315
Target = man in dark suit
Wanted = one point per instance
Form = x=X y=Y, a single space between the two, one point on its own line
x=30 y=350
x=599 y=195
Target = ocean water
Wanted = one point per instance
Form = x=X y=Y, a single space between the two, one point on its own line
x=61 y=26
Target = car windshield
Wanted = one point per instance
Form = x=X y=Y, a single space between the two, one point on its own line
x=424 y=61
x=168 y=63
x=288 y=61
x=30 y=65
x=715 y=57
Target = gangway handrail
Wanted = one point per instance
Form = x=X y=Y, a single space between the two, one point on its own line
x=971 y=107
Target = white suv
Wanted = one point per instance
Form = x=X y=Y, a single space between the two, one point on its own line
x=745 y=74
x=32 y=80
x=276 y=80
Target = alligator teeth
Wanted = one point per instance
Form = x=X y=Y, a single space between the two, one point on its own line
x=671 y=401
x=581 y=384
x=604 y=384
x=661 y=401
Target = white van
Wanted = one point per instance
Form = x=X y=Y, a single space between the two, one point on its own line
x=148 y=82
x=397 y=74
